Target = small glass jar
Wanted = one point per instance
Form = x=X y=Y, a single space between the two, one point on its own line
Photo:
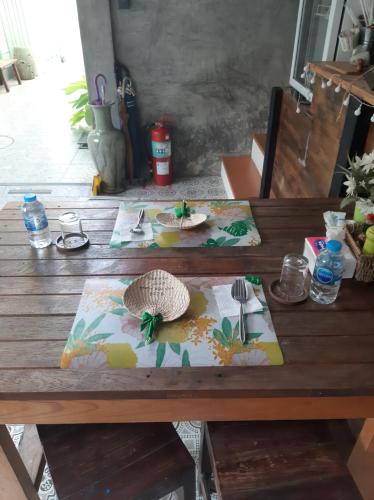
x=292 y=282
x=70 y=223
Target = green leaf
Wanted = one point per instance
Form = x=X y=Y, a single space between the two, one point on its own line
x=120 y=311
x=231 y=243
x=161 y=348
x=98 y=337
x=126 y=281
x=210 y=243
x=175 y=347
x=74 y=87
x=80 y=102
x=186 y=359
x=141 y=344
x=238 y=228
x=79 y=328
x=117 y=300
x=255 y=335
x=220 y=241
x=227 y=328
x=95 y=323
x=154 y=245
x=218 y=335
x=76 y=118
x=235 y=332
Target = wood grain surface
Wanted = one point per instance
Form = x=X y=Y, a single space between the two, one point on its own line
x=328 y=350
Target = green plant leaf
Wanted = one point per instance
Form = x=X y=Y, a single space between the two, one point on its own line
x=186 y=359
x=98 y=337
x=218 y=335
x=154 y=245
x=235 y=332
x=255 y=335
x=160 y=353
x=220 y=241
x=120 y=311
x=75 y=86
x=76 y=118
x=238 y=228
x=231 y=243
x=95 y=323
x=80 y=102
x=79 y=328
x=117 y=300
x=227 y=328
x=175 y=347
x=210 y=243
x=141 y=344
x=126 y=281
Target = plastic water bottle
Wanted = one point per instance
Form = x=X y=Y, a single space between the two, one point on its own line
x=328 y=273
x=36 y=222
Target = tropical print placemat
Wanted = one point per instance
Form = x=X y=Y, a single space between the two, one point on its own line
x=105 y=335
x=230 y=223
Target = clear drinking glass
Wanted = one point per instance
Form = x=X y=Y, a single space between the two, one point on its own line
x=70 y=223
x=293 y=277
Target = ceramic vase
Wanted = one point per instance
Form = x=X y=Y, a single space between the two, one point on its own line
x=108 y=150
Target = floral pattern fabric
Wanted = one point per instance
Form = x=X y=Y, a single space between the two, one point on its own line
x=105 y=335
x=230 y=223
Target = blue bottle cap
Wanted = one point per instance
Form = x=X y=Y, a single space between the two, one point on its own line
x=29 y=198
x=334 y=245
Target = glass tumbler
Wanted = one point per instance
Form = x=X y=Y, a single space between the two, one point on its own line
x=70 y=223
x=293 y=278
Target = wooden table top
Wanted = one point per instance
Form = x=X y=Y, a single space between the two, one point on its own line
x=328 y=350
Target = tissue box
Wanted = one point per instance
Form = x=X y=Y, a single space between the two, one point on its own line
x=313 y=245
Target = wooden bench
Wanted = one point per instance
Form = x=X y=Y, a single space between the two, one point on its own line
x=129 y=461
x=7 y=63
x=286 y=460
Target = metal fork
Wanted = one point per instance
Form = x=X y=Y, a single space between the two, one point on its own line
x=240 y=294
x=138 y=228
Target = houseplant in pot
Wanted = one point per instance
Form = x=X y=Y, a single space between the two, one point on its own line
x=360 y=185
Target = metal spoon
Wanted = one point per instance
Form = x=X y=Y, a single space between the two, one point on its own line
x=138 y=228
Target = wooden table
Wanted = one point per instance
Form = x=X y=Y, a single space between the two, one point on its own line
x=328 y=350
x=7 y=63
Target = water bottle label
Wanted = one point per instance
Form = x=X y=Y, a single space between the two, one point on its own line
x=36 y=223
x=324 y=275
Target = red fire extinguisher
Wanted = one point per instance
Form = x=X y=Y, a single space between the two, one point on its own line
x=161 y=154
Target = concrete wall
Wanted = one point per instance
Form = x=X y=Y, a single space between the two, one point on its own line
x=97 y=46
x=210 y=64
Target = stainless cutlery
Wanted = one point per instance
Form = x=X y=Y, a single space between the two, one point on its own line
x=138 y=228
x=239 y=293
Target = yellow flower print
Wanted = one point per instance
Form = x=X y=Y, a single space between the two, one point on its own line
x=119 y=355
x=167 y=239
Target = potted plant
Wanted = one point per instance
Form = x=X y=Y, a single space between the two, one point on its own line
x=82 y=116
x=360 y=185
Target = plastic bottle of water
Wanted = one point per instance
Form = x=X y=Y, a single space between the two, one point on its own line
x=36 y=222
x=328 y=272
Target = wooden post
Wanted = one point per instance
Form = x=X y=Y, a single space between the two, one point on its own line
x=271 y=141
x=352 y=143
x=361 y=461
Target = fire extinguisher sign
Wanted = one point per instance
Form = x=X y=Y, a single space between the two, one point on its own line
x=162 y=168
x=161 y=149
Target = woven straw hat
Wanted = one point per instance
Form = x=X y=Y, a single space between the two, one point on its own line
x=157 y=292
x=171 y=220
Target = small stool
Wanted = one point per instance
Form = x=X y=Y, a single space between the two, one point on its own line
x=283 y=460
x=7 y=63
x=117 y=461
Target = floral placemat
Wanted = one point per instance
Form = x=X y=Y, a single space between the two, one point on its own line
x=105 y=335
x=230 y=223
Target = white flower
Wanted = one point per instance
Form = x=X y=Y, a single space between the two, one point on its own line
x=362 y=184
x=365 y=160
x=351 y=185
x=368 y=167
x=371 y=181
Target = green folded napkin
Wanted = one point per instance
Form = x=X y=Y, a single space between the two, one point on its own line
x=183 y=211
